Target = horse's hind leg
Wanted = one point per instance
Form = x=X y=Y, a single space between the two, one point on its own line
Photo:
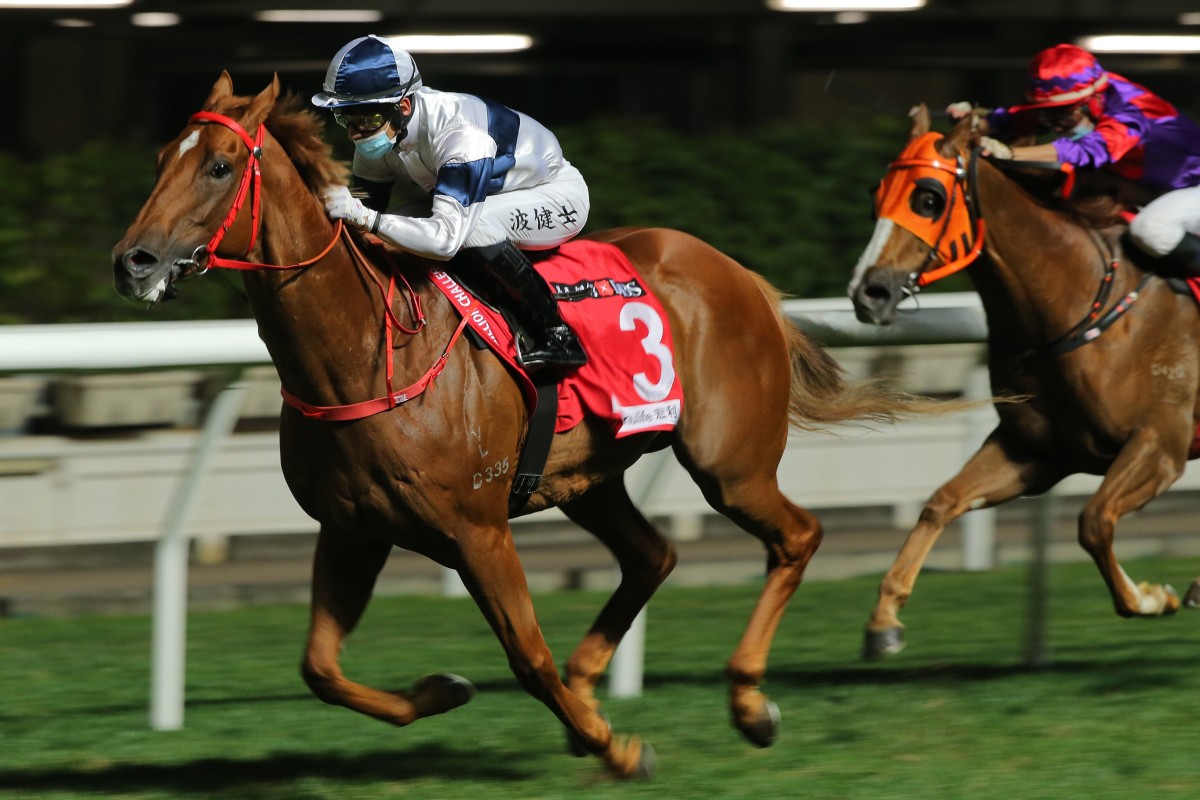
x=791 y=535
x=492 y=573
x=344 y=571
x=734 y=464
x=1141 y=471
x=992 y=476
x=645 y=558
x=730 y=440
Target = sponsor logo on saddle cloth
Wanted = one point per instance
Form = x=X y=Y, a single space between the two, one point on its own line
x=630 y=378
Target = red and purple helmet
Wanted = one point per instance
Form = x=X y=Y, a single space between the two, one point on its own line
x=1063 y=75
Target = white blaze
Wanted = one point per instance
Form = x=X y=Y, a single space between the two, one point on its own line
x=870 y=256
x=191 y=141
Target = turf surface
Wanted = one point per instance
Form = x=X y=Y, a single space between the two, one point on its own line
x=957 y=715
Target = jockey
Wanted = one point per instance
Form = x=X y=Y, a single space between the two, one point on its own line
x=498 y=181
x=1101 y=119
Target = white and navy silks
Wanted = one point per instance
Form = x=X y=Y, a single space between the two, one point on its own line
x=493 y=174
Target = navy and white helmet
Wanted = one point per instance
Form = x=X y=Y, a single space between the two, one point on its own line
x=368 y=70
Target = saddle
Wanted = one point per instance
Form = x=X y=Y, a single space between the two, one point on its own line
x=629 y=382
x=1162 y=268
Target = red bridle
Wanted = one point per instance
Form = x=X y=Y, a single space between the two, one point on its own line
x=206 y=256
x=251 y=184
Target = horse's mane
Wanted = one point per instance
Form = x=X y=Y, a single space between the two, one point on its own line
x=299 y=130
x=1098 y=200
x=1101 y=196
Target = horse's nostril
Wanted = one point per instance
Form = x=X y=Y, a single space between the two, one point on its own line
x=876 y=292
x=139 y=263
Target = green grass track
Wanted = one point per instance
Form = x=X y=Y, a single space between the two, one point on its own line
x=957 y=716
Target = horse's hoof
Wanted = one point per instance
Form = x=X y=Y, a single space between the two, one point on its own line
x=1173 y=603
x=763 y=731
x=629 y=757
x=647 y=765
x=575 y=744
x=457 y=690
x=1191 y=598
x=1157 y=600
x=880 y=644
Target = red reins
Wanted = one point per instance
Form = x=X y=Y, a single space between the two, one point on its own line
x=251 y=185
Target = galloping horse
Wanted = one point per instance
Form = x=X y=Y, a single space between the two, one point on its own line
x=404 y=477
x=1105 y=352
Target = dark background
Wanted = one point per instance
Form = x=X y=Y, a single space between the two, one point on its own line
x=709 y=116
x=701 y=64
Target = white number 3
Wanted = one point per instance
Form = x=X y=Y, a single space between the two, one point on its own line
x=651 y=392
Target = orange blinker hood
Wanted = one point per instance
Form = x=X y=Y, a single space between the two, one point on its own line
x=950 y=235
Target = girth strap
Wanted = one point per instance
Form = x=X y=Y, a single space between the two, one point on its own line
x=532 y=463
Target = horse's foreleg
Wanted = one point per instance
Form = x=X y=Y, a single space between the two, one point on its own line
x=645 y=559
x=1141 y=471
x=992 y=476
x=344 y=572
x=492 y=573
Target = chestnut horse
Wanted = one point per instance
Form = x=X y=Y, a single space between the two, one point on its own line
x=403 y=478
x=1105 y=352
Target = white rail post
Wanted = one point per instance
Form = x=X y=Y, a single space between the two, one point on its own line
x=626 y=670
x=625 y=677
x=978 y=527
x=171 y=568
x=452 y=584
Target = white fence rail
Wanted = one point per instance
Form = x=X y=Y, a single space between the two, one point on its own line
x=178 y=485
x=98 y=490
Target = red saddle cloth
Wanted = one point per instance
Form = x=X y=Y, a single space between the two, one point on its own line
x=630 y=378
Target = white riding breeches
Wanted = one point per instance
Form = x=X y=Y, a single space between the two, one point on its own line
x=1159 y=227
x=537 y=218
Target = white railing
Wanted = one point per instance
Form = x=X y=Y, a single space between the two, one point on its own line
x=816 y=471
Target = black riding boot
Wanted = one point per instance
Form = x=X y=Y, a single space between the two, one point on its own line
x=535 y=306
x=1184 y=260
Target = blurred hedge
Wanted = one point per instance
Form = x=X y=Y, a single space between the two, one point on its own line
x=789 y=201
x=59 y=219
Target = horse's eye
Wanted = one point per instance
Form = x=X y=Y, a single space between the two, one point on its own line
x=927 y=203
x=220 y=170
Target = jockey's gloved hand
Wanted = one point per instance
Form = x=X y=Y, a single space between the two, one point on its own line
x=995 y=149
x=340 y=204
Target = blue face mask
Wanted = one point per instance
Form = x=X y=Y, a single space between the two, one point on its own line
x=1081 y=130
x=375 y=146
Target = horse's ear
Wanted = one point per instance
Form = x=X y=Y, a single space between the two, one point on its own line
x=262 y=104
x=221 y=89
x=964 y=135
x=919 y=117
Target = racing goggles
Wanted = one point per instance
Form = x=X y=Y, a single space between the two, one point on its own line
x=1057 y=116
x=363 y=121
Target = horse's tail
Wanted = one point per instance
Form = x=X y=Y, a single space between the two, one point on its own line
x=821 y=395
